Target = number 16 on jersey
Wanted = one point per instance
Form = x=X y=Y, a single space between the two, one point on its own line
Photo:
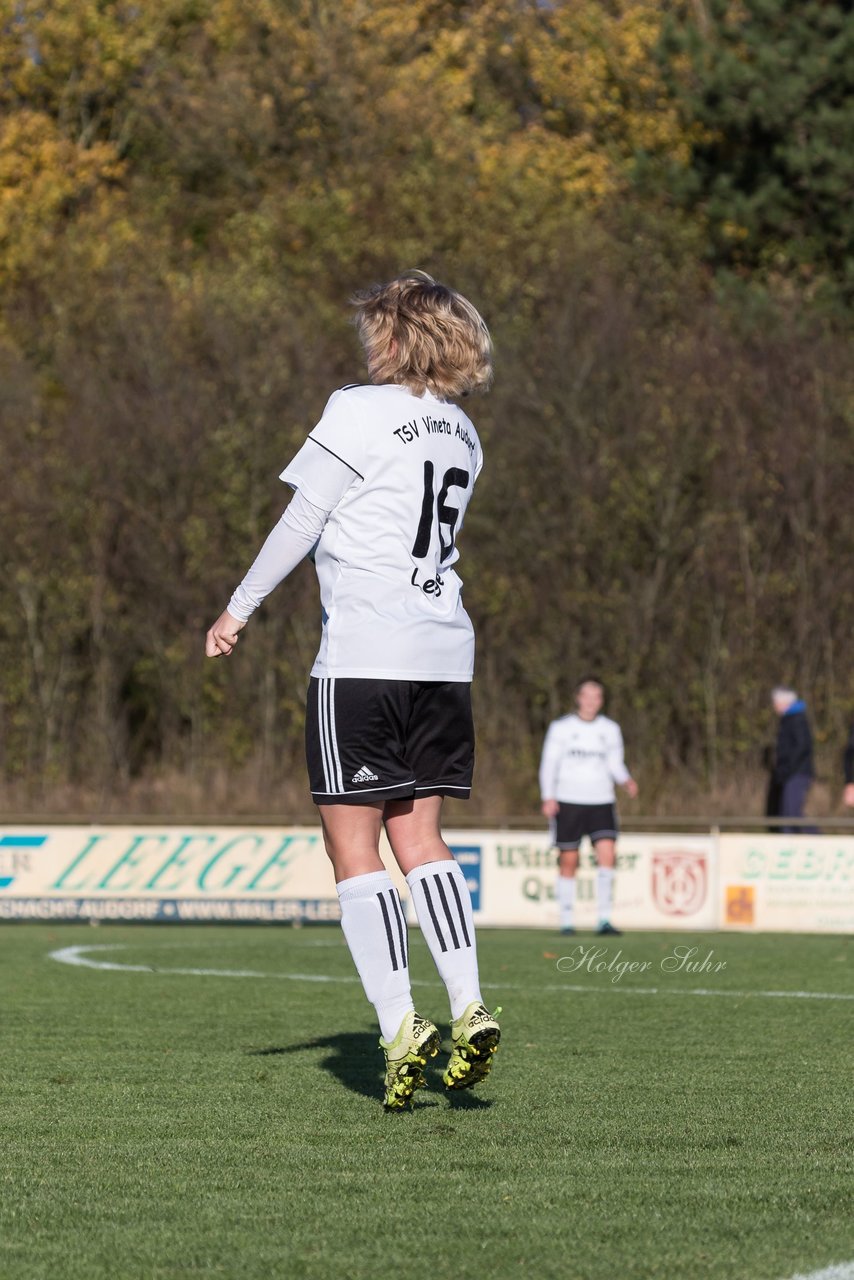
x=446 y=516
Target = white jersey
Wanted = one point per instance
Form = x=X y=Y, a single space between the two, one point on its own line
x=392 y=605
x=582 y=759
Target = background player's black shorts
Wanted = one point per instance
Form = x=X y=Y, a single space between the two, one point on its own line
x=388 y=739
x=598 y=821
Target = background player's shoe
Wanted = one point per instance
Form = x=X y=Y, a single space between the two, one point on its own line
x=474 y=1039
x=606 y=929
x=405 y=1058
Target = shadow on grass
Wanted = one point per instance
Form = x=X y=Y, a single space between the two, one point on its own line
x=354 y=1059
x=460 y=1101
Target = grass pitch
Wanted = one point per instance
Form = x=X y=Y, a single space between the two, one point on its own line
x=160 y=1125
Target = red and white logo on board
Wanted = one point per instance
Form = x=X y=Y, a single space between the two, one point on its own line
x=679 y=881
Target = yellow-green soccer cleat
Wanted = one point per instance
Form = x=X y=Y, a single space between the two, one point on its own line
x=474 y=1040
x=405 y=1059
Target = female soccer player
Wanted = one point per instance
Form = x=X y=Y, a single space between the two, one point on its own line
x=382 y=485
x=582 y=759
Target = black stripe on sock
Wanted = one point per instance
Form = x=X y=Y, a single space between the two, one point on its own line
x=448 y=915
x=388 y=932
x=429 y=902
x=453 y=880
x=401 y=929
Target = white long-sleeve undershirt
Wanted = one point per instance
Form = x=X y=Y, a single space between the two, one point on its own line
x=288 y=543
x=327 y=479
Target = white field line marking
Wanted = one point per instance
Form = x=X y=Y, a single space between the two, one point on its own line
x=839 y=1271
x=79 y=956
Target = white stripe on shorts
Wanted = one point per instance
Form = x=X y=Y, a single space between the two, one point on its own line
x=332 y=772
x=321 y=730
x=337 y=770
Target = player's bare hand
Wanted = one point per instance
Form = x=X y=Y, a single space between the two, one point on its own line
x=848 y=795
x=222 y=636
x=632 y=788
x=550 y=808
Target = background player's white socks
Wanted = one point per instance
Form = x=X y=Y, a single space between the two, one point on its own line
x=375 y=929
x=442 y=904
x=566 y=900
x=604 y=892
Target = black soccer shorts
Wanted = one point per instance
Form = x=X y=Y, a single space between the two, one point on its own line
x=574 y=821
x=369 y=740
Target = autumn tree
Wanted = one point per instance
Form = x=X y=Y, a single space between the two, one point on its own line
x=768 y=86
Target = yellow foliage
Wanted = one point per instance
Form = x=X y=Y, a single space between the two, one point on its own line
x=73 y=58
x=45 y=181
x=329 y=129
x=595 y=68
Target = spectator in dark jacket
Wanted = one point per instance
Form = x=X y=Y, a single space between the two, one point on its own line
x=774 y=794
x=793 y=762
x=848 y=765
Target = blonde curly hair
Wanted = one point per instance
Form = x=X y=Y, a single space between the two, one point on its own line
x=424 y=336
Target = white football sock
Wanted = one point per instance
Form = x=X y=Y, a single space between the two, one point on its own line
x=566 y=900
x=375 y=929
x=604 y=890
x=442 y=904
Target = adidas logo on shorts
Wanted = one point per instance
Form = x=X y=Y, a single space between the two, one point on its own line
x=364 y=775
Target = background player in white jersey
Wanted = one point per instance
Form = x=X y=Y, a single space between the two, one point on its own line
x=582 y=759
x=382 y=485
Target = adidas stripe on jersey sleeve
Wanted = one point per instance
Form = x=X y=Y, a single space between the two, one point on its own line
x=318 y=474
x=339 y=431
